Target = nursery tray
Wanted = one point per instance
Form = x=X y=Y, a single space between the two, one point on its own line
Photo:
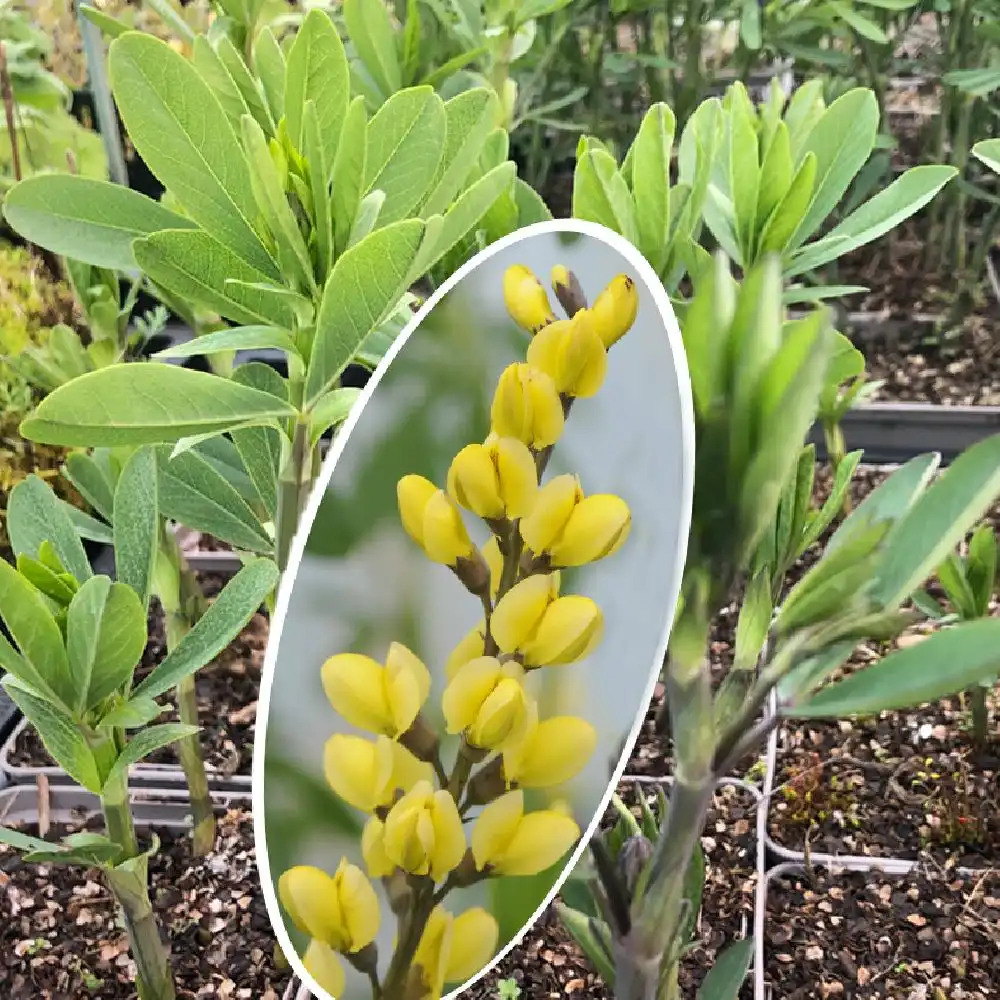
x=145 y=776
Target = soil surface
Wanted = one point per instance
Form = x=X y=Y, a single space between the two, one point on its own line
x=548 y=963
x=227 y=697
x=930 y=935
x=60 y=938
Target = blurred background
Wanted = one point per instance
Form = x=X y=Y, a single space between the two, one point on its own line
x=363 y=583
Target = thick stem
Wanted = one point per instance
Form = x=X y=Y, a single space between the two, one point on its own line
x=118 y=816
x=294 y=485
x=410 y=932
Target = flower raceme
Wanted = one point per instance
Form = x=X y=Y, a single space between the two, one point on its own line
x=573 y=529
x=487 y=700
x=526 y=406
x=508 y=841
x=341 y=910
x=432 y=520
x=531 y=619
x=367 y=774
x=526 y=299
x=453 y=949
x=494 y=480
x=571 y=353
x=384 y=700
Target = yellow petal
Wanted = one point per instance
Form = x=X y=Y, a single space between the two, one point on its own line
x=322 y=964
x=553 y=508
x=526 y=406
x=585 y=361
x=516 y=475
x=494 y=560
x=309 y=896
x=445 y=538
x=349 y=765
x=526 y=299
x=402 y=839
x=449 y=836
x=520 y=611
x=373 y=849
x=408 y=682
x=540 y=840
x=546 y=350
x=555 y=751
x=614 y=310
x=473 y=943
x=570 y=629
x=359 y=905
x=433 y=950
x=355 y=687
x=495 y=828
x=413 y=494
x=472 y=482
x=502 y=718
x=464 y=696
x=547 y=416
x=472 y=646
x=597 y=528
x=407 y=770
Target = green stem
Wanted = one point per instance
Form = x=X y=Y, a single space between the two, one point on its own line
x=118 y=816
x=294 y=484
x=410 y=931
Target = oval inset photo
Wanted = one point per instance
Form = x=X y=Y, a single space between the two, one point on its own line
x=475 y=616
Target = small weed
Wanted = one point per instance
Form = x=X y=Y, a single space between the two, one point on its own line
x=507 y=989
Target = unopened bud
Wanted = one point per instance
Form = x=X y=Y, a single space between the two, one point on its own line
x=566 y=285
x=489 y=784
x=632 y=860
x=474 y=572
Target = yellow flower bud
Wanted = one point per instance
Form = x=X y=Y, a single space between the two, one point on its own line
x=574 y=529
x=341 y=911
x=381 y=700
x=367 y=774
x=494 y=480
x=423 y=832
x=487 y=698
x=551 y=753
x=322 y=964
x=473 y=645
x=527 y=406
x=373 y=849
x=571 y=352
x=614 y=310
x=526 y=299
x=544 y=628
x=454 y=949
x=560 y=277
x=433 y=521
x=509 y=842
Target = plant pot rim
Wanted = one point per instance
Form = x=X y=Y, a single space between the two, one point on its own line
x=140 y=775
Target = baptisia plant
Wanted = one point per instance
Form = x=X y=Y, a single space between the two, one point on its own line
x=440 y=821
x=76 y=641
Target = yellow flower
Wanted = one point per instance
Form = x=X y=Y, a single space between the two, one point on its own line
x=494 y=480
x=552 y=752
x=433 y=521
x=373 y=849
x=546 y=629
x=526 y=299
x=382 y=700
x=473 y=645
x=340 y=910
x=571 y=352
x=527 y=406
x=574 y=529
x=614 y=310
x=423 y=832
x=494 y=560
x=453 y=949
x=367 y=774
x=488 y=699
x=322 y=964
x=509 y=842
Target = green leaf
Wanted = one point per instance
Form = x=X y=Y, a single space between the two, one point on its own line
x=108 y=25
x=951 y=574
x=60 y=735
x=651 y=182
x=269 y=65
x=58 y=586
x=181 y=132
x=379 y=266
x=105 y=637
x=406 y=140
x=530 y=206
x=855 y=20
x=42 y=661
x=146 y=404
x=601 y=195
x=143 y=744
x=901 y=199
x=750 y=24
x=982 y=566
x=246 y=85
x=744 y=176
x=753 y=622
x=785 y=219
x=91 y=221
x=821 y=519
x=725 y=978
x=349 y=172
x=331 y=410
x=939 y=520
x=34 y=516
x=590 y=934
x=776 y=173
x=91 y=482
x=260 y=448
x=317 y=71
x=941 y=665
x=237 y=338
x=987 y=151
x=132 y=714
x=137 y=523
x=225 y=618
x=210 y=67
x=194 y=493
x=21 y=841
x=195 y=267
x=319 y=187
x=842 y=140
x=374 y=38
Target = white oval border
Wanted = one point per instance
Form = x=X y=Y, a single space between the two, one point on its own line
x=683 y=385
